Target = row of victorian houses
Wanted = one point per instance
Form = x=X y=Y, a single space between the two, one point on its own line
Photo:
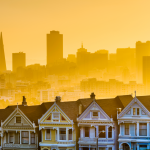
x=120 y=123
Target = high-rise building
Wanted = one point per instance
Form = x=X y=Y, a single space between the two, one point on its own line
x=2 y=55
x=142 y=49
x=54 y=47
x=18 y=60
x=146 y=72
x=126 y=58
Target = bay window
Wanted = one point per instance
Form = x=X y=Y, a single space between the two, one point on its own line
x=142 y=129
x=32 y=138
x=25 y=137
x=87 y=131
x=126 y=129
x=62 y=133
x=48 y=132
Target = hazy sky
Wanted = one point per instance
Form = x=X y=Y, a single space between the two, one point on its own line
x=99 y=24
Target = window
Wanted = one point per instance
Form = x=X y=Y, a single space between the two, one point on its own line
x=25 y=137
x=102 y=133
x=18 y=119
x=11 y=137
x=87 y=131
x=32 y=138
x=143 y=129
x=126 y=129
x=62 y=118
x=136 y=111
x=95 y=114
x=48 y=131
x=110 y=132
x=62 y=133
x=102 y=148
x=70 y=134
x=55 y=116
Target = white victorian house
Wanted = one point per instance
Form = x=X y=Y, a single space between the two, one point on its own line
x=95 y=123
x=134 y=123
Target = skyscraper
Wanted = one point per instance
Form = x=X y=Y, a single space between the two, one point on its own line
x=54 y=47
x=146 y=73
x=18 y=60
x=142 y=49
x=2 y=55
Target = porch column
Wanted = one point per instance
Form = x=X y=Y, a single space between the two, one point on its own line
x=138 y=148
x=148 y=147
x=67 y=134
x=8 y=137
x=20 y=137
x=89 y=147
x=29 y=138
x=147 y=128
x=106 y=132
x=106 y=148
x=137 y=128
x=58 y=134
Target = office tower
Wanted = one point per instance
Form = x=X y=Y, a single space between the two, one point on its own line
x=112 y=56
x=100 y=59
x=54 y=47
x=146 y=72
x=142 y=49
x=126 y=58
x=71 y=58
x=83 y=60
x=2 y=55
x=18 y=60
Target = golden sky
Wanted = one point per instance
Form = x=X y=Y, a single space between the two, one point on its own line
x=99 y=24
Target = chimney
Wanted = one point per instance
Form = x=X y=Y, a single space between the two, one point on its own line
x=57 y=99
x=92 y=96
x=24 y=103
x=80 y=109
x=119 y=110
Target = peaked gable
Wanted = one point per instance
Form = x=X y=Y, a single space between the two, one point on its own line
x=133 y=109
x=55 y=115
x=17 y=119
x=94 y=113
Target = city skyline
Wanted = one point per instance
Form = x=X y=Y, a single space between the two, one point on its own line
x=99 y=25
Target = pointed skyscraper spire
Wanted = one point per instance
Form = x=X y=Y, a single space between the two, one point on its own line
x=2 y=55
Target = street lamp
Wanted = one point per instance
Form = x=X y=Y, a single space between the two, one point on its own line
x=103 y=131
x=97 y=138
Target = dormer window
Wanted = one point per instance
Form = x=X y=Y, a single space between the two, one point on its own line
x=18 y=119
x=136 y=111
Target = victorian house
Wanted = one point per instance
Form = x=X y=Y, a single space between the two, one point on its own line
x=58 y=127
x=98 y=124
x=134 y=124
x=19 y=128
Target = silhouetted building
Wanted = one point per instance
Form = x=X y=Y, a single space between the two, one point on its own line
x=54 y=47
x=112 y=56
x=146 y=72
x=71 y=58
x=2 y=55
x=83 y=60
x=18 y=60
x=142 y=49
x=126 y=58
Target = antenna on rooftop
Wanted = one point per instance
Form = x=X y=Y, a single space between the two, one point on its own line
x=135 y=93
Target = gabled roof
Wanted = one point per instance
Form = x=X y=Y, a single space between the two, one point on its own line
x=71 y=108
